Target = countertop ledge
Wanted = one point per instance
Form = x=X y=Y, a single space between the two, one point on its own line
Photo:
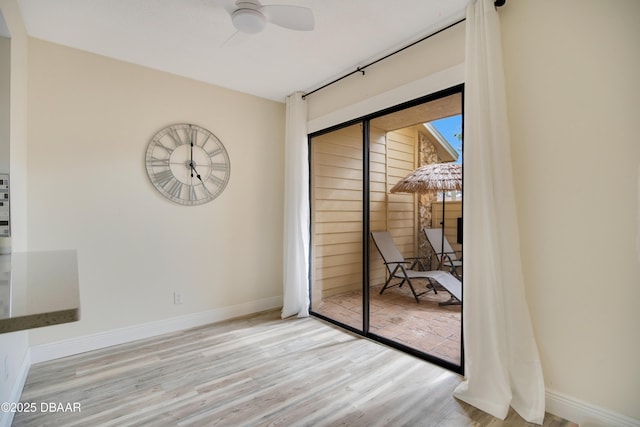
x=38 y=289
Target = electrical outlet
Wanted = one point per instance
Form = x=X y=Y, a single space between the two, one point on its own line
x=177 y=297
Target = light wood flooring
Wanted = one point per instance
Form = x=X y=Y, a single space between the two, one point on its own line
x=254 y=371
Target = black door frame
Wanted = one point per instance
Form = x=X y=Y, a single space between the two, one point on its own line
x=365 y=121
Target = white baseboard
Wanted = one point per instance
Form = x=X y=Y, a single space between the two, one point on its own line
x=58 y=349
x=585 y=414
x=6 y=418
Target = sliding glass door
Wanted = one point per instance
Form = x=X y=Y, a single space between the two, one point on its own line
x=353 y=171
x=337 y=186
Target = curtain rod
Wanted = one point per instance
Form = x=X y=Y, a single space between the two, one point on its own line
x=497 y=3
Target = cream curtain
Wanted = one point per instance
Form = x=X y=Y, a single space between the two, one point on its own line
x=296 y=210
x=502 y=366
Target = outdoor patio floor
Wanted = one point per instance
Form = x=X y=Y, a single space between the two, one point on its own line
x=425 y=326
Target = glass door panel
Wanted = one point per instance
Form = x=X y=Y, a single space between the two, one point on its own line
x=399 y=143
x=337 y=224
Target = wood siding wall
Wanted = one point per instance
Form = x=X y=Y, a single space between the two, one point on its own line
x=377 y=199
x=402 y=221
x=399 y=212
x=336 y=215
x=337 y=197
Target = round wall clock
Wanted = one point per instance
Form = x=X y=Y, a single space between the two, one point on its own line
x=187 y=164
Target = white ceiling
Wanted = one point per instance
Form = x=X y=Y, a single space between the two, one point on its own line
x=189 y=37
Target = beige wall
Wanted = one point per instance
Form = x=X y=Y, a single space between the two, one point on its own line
x=428 y=67
x=438 y=53
x=90 y=119
x=572 y=72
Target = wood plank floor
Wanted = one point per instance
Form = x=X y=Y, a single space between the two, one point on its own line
x=254 y=371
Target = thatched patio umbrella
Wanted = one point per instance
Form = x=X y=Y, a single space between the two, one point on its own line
x=434 y=177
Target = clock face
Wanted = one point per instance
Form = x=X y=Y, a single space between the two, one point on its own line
x=188 y=164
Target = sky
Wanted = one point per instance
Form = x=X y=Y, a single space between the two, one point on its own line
x=449 y=127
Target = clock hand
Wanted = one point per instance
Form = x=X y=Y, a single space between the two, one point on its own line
x=193 y=170
x=191 y=164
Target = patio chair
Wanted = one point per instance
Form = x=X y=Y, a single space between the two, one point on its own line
x=446 y=258
x=401 y=268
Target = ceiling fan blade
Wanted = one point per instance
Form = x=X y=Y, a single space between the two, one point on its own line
x=228 y=5
x=291 y=17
